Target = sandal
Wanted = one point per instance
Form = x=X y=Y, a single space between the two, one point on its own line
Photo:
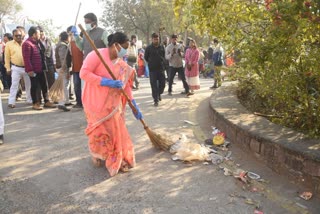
x=124 y=167
x=96 y=162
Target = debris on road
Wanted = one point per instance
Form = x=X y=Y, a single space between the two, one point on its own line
x=257 y=212
x=253 y=176
x=216 y=159
x=191 y=123
x=306 y=195
x=188 y=151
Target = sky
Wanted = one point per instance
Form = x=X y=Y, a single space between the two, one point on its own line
x=62 y=12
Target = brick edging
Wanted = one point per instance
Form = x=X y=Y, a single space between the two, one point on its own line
x=282 y=149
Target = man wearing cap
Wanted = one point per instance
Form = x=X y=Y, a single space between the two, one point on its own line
x=155 y=57
x=174 y=53
x=97 y=34
x=14 y=63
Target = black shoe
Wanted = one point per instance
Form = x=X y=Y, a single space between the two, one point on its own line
x=156 y=104
x=63 y=108
x=77 y=106
x=189 y=94
x=68 y=104
x=1 y=139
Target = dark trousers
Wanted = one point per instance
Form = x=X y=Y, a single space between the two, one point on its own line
x=181 y=76
x=50 y=76
x=77 y=87
x=134 y=66
x=39 y=83
x=6 y=79
x=158 y=83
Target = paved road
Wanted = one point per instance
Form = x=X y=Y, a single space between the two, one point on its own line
x=45 y=166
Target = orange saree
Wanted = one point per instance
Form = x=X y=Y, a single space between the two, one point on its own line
x=104 y=107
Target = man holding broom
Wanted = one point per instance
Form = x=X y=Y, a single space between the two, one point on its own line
x=99 y=35
x=104 y=102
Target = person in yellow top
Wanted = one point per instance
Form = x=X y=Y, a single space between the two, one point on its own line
x=15 y=65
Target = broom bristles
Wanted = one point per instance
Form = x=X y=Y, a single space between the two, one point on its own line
x=56 y=91
x=158 y=140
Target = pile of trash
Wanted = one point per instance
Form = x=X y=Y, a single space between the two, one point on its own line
x=215 y=151
x=185 y=150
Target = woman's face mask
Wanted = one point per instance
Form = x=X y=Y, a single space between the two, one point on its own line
x=122 y=52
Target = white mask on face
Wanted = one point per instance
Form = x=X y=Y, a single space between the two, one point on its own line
x=88 y=27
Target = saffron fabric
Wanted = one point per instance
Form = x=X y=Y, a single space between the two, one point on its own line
x=104 y=107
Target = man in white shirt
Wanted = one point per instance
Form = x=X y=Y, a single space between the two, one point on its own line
x=174 y=53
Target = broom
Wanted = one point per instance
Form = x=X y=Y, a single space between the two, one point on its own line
x=157 y=140
x=56 y=91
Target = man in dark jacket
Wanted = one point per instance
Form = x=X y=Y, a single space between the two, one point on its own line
x=155 y=56
x=34 y=62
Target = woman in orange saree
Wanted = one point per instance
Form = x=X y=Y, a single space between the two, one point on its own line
x=104 y=105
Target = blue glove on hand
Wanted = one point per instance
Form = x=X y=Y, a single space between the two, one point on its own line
x=111 y=83
x=138 y=115
x=74 y=31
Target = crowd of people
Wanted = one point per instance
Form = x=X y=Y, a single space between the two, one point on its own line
x=35 y=64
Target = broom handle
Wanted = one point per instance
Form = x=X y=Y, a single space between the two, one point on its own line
x=75 y=22
x=110 y=72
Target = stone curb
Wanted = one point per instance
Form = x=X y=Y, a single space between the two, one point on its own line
x=282 y=149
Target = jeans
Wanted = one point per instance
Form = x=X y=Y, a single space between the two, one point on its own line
x=77 y=87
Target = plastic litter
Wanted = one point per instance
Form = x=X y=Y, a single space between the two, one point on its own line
x=253 y=176
x=216 y=159
x=306 y=195
x=218 y=139
x=242 y=176
x=228 y=155
x=215 y=130
x=174 y=148
x=227 y=172
x=191 y=123
x=191 y=151
x=226 y=143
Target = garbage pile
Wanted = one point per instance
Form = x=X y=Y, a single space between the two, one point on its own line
x=215 y=151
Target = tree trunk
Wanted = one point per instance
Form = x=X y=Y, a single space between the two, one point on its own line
x=185 y=37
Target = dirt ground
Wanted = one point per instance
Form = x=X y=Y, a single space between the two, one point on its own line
x=45 y=166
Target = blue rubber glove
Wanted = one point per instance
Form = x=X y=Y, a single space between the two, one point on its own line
x=138 y=115
x=111 y=83
x=74 y=31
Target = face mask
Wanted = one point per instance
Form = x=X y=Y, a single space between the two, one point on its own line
x=88 y=26
x=122 y=52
